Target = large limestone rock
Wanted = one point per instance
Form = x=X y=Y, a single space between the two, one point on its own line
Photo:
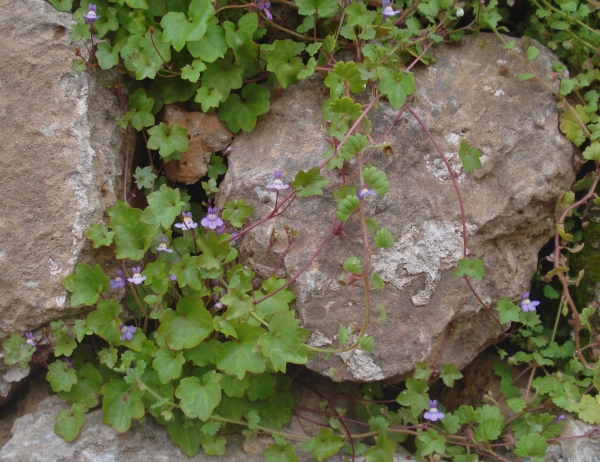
x=62 y=159
x=472 y=93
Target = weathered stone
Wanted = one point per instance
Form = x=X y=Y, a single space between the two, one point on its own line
x=62 y=156
x=574 y=446
x=526 y=163
x=206 y=135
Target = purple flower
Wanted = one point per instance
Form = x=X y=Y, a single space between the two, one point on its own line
x=162 y=247
x=278 y=183
x=220 y=230
x=558 y=419
x=264 y=7
x=364 y=191
x=69 y=362
x=137 y=277
x=211 y=220
x=118 y=281
x=186 y=222
x=90 y=17
x=218 y=305
x=173 y=277
x=388 y=10
x=30 y=339
x=126 y=332
x=528 y=305
x=433 y=414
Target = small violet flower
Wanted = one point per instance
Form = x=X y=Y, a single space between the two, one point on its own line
x=364 y=191
x=162 y=247
x=558 y=419
x=118 y=281
x=264 y=6
x=90 y=17
x=528 y=305
x=278 y=183
x=433 y=414
x=388 y=10
x=126 y=332
x=137 y=277
x=30 y=339
x=69 y=362
x=173 y=277
x=211 y=220
x=186 y=222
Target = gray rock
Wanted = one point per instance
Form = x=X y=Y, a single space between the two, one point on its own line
x=573 y=446
x=467 y=95
x=62 y=159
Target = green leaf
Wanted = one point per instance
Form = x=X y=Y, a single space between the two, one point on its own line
x=376 y=179
x=188 y=326
x=523 y=77
x=324 y=445
x=223 y=76
x=121 y=403
x=208 y=98
x=107 y=57
x=367 y=343
x=345 y=207
x=570 y=126
x=396 y=86
x=87 y=388
x=376 y=282
x=100 y=235
x=164 y=206
x=211 y=46
x=506 y=383
x=199 y=397
x=352 y=265
x=239 y=356
x=567 y=85
x=384 y=239
x=69 y=421
x=284 y=62
x=168 y=139
x=280 y=453
x=60 y=376
x=532 y=53
x=429 y=442
x=168 y=364
x=284 y=343
x=383 y=451
x=132 y=236
x=470 y=268
x=309 y=183
x=323 y=8
x=192 y=71
x=346 y=106
x=509 y=312
x=216 y=167
x=239 y=304
x=234 y=387
x=241 y=112
x=86 y=284
x=469 y=157
x=144 y=177
x=449 y=374
x=592 y=152
x=343 y=335
x=140 y=110
x=532 y=445
x=550 y=292
x=489 y=429
x=590 y=411
x=422 y=371
x=185 y=434
x=62 y=5
x=17 y=351
x=178 y=30
x=105 y=321
x=415 y=396
x=237 y=212
x=345 y=74
x=240 y=39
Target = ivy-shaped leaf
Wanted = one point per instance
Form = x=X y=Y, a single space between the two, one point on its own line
x=237 y=212
x=122 y=402
x=470 y=268
x=284 y=343
x=69 y=422
x=240 y=112
x=60 y=376
x=309 y=183
x=99 y=235
x=144 y=177
x=324 y=445
x=17 y=351
x=469 y=157
x=239 y=356
x=188 y=326
x=570 y=126
x=396 y=86
x=140 y=110
x=284 y=62
x=164 y=206
x=105 y=321
x=168 y=139
x=199 y=397
x=86 y=284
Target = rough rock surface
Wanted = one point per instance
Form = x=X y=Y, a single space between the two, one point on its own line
x=62 y=156
x=206 y=134
x=33 y=439
x=526 y=163
x=573 y=449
